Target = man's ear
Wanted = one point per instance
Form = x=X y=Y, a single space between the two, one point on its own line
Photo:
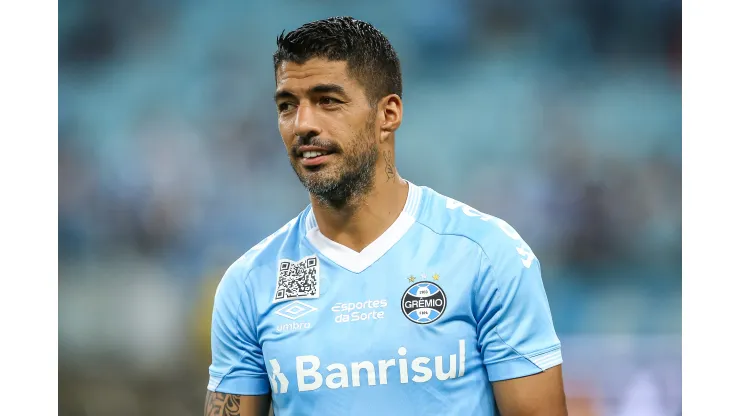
x=390 y=114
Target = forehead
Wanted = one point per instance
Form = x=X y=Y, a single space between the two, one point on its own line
x=299 y=78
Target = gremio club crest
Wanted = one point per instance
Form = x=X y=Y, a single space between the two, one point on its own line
x=423 y=302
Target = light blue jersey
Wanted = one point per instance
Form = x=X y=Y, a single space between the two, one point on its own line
x=446 y=301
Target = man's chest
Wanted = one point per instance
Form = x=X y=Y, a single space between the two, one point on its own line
x=396 y=323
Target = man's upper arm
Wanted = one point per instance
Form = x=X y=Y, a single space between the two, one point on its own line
x=237 y=365
x=516 y=335
x=222 y=404
x=535 y=395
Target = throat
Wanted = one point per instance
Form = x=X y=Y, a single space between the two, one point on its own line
x=358 y=225
x=357 y=230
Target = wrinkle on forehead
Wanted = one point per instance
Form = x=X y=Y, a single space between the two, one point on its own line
x=317 y=71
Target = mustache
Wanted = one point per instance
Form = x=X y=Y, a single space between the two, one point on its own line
x=314 y=141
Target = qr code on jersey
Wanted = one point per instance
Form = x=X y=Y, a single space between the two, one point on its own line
x=297 y=279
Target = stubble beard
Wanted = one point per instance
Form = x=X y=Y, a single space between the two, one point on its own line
x=356 y=175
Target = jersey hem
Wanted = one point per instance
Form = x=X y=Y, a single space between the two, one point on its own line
x=524 y=365
x=243 y=386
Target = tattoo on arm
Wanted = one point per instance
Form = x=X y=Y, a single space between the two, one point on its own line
x=389 y=168
x=220 y=404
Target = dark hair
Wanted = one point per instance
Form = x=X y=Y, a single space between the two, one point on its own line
x=370 y=57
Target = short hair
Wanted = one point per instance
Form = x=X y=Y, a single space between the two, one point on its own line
x=370 y=57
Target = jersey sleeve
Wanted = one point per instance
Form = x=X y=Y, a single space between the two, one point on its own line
x=237 y=365
x=516 y=335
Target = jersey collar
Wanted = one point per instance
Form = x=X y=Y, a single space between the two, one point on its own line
x=359 y=261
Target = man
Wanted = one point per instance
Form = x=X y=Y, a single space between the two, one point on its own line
x=381 y=297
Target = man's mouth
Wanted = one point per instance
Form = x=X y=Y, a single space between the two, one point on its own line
x=314 y=158
x=313 y=154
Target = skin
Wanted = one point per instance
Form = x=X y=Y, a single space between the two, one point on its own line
x=221 y=404
x=356 y=194
x=346 y=121
x=540 y=394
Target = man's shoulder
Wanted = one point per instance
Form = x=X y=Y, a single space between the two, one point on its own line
x=445 y=215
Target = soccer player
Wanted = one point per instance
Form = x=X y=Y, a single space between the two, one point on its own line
x=382 y=297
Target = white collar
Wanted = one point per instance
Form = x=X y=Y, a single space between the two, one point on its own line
x=358 y=261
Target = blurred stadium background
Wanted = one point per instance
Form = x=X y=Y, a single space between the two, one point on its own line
x=562 y=117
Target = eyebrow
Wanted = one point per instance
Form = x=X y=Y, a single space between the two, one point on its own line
x=316 y=89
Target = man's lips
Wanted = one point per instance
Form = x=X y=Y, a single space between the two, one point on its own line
x=315 y=161
x=313 y=155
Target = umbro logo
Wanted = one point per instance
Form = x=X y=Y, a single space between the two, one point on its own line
x=295 y=310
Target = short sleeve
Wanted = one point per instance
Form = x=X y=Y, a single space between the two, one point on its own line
x=237 y=365
x=516 y=334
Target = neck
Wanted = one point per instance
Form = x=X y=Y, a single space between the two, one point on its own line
x=362 y=220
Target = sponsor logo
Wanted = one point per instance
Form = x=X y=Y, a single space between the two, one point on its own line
x=310 y=375
x=277 y=379
x=423 y=302
x=293 y=326
x=359 y=311
x=295 y=310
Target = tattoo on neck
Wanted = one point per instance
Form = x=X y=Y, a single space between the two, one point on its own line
x=390 y=170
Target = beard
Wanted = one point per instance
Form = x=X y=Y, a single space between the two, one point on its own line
x=347 y=179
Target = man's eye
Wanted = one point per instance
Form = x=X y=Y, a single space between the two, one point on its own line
x=328 y=101
x=282 y=107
